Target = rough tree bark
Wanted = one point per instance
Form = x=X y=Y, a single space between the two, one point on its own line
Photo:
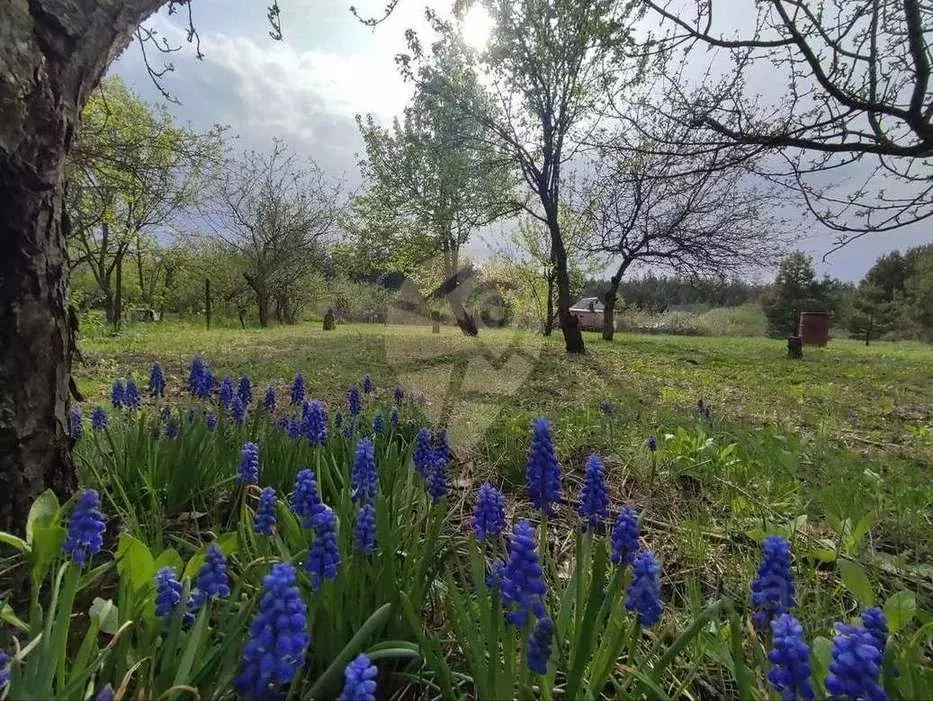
x=573 y=337
x=609 y=302
x=52 y=53
x=549 y=314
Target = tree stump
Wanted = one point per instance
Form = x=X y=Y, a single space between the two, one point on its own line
x=329 y=321
x=794 y=347
x=435 y=322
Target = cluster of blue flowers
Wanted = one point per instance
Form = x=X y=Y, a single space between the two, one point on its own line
x=156 y=385
x=624 y=537
x=278 y=636
x=324 y=554
x=522 y=580
x=269 y=400
x=364 y=532
x=643 y=596
x=264 y=521
x=543 y=471
x=314 y=422
x=298 y=389
x=773 y=590
x=363 y=477
x=75 y=424
x=168 y=592
x=594 y=501
x=305 y=499
x=85 y=534
x=200 y=379
x=489 y=514
x=359 y=680
x=247 y=471
x=212 y=581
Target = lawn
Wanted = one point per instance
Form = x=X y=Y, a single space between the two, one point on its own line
x=853 y=424
x=834 y=452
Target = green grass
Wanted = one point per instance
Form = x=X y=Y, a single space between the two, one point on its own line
x=842 y=438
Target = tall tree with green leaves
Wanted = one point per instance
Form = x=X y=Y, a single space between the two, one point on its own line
x=548 y=72
x=434 y=177
x=132 y=172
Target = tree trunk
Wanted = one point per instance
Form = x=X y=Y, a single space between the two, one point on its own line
x=52 y=53
x=118 y=291
x=109 y=304
x=609 y=321
x=263 y=303
x=549 y=314
x=573 y=338
x=609 y=302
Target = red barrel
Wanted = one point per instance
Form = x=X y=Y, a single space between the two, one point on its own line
x=813 y=328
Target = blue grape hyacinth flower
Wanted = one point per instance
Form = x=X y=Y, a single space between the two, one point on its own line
x=238 y=410
x=118 y=394
x=607 y=407
x=75 y=423
x=171 y=429
x=437 y=479
x=211 y=422
x=156 y=386
x=442 y=450
x=278 y=637
x=314 y=423
x=368 y=385
x=99 y=419
x=399 y=394
x=594 y=501
x=773 y=589
x=269 y=400
x=856 y=665
x=247 y=471
x=354 y=401
x=200 y=379
x=264 y=522
x=212 y=580
x=489 y=514
x=359 y=680
x=306 y=499
x=324 y=554
x=85 y=536
x=652 y=443
x=298 y=389
x=4 y=670
x=379 y=424
x=364 y=532
x=363 y=478
x=423 y=454
x=538 y=649
x=106 y=694
x=225 y=393
x=338 y=420
x=543 y=471
x=625 y=537
x=876 y=623
x=643 y=595
x=168 y=592
x=131 y=398
x=394 y=416
x=790 y=660
x=245 y=390
x=522 y=580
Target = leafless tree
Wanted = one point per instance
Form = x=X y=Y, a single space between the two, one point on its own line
x=858 y=101
x=697 y=214
x=278 y=216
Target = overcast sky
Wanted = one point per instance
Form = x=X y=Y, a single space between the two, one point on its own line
x=307 y=88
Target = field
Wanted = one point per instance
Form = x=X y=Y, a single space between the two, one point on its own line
x=834 y=451
x=847 y=433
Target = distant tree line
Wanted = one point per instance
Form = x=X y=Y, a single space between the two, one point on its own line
x=657 y=293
